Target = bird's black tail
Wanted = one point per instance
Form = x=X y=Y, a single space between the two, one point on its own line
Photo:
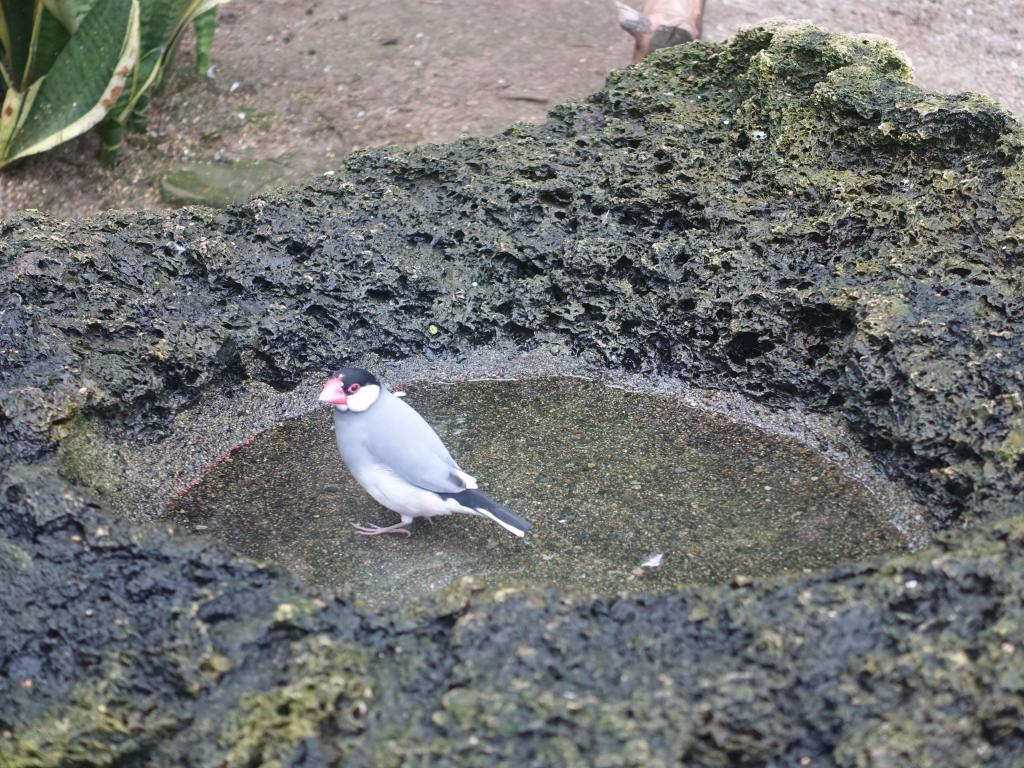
x=482 y=504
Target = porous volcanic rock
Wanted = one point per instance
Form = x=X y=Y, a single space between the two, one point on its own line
x=784 y=215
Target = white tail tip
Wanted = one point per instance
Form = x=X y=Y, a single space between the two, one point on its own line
x=502 y=523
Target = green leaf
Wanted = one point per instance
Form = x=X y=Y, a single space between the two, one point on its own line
x=143 y=75
x=5 y=35
x=111 y=142
x=48 y=41
x=14 y=110
x=17 y=19
x=205 y=25
x=85 y=82
x=162 y=23
x=203 y=13
x=138 y=120
x=161 y=19
x=204 y=7
x=69 y=12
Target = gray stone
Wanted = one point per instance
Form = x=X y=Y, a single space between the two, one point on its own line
x=218 y=184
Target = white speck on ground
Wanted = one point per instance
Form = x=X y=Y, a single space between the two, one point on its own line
x=653 y=561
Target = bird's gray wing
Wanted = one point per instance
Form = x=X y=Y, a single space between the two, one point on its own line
x=409 y=447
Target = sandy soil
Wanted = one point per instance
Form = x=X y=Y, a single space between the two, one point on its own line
x=304 y=82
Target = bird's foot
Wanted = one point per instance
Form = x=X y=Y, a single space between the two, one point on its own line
x=376 y=530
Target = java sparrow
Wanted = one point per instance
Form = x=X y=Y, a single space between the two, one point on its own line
x=400 y=461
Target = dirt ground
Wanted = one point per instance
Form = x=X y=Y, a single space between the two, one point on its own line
x=298 y=84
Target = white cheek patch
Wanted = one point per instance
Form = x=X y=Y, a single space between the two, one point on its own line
x=364 y=398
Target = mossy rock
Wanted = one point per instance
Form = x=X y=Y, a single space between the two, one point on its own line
x=784 y=214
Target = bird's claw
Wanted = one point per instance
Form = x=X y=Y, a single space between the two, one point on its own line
x=376 y=530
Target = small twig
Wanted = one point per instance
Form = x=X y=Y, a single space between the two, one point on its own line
x=530 y=99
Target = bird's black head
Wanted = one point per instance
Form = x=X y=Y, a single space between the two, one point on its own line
x=357 y=376
x=351 y=389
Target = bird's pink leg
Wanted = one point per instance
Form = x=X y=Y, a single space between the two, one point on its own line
x=376 y=530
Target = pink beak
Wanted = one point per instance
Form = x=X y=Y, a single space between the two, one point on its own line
x=334 y=392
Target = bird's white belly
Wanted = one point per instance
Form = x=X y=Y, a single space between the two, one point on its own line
x=396 y=494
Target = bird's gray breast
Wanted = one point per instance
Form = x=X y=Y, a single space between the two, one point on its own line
x=392 y=435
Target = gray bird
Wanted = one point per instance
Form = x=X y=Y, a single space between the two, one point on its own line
x=400 y=461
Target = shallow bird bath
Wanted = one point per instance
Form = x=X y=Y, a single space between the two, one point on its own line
x=609 y=477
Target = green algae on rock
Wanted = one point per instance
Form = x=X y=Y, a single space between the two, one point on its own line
x=784 y=215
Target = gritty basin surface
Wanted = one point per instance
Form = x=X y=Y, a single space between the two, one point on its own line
x=608 y=477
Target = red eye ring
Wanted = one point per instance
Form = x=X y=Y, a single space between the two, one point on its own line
x=353 y=388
